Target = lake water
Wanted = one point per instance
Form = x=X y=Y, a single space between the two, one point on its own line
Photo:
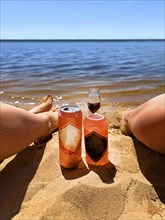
x=127 y=72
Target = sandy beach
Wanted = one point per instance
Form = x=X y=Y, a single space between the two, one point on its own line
x=131 y=186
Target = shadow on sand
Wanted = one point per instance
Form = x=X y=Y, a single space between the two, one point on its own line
x=15 y=178
x=80 y=171
x=152 y=165
x=106 y=172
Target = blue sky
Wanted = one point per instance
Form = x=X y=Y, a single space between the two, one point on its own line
x=52 y=19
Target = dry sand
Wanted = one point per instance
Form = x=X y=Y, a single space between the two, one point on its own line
x=33 y=186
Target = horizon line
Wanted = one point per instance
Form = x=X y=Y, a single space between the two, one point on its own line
x=117 y=39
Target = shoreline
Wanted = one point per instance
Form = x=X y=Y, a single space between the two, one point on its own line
x=108 y=102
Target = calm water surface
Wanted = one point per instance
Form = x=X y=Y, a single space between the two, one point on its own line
x=127 y=72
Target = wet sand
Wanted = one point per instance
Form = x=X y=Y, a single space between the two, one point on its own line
x=131 y=186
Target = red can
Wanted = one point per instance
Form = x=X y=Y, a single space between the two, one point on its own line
x=70 y=135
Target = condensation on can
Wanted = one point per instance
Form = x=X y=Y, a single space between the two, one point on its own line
x=70 y=136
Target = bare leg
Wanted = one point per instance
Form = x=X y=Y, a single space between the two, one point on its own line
x=19 y=128
x=147 y=123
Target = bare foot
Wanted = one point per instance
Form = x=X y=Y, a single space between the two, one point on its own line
x=46 y=105
x=52 y=125
x=125 y=128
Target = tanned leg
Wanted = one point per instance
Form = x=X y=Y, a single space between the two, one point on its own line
x=19 y=128
x=147 y=123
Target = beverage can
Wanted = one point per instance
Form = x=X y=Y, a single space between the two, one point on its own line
x=70 y=133
x=96 y=139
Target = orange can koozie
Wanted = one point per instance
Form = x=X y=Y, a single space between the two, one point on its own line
x=70 y=135
x=96 y=139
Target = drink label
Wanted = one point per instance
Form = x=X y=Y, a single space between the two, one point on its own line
x=96 y=146
x=70 y=136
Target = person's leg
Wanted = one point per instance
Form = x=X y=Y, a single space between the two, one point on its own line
x=147 y=123
x=19 y=128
